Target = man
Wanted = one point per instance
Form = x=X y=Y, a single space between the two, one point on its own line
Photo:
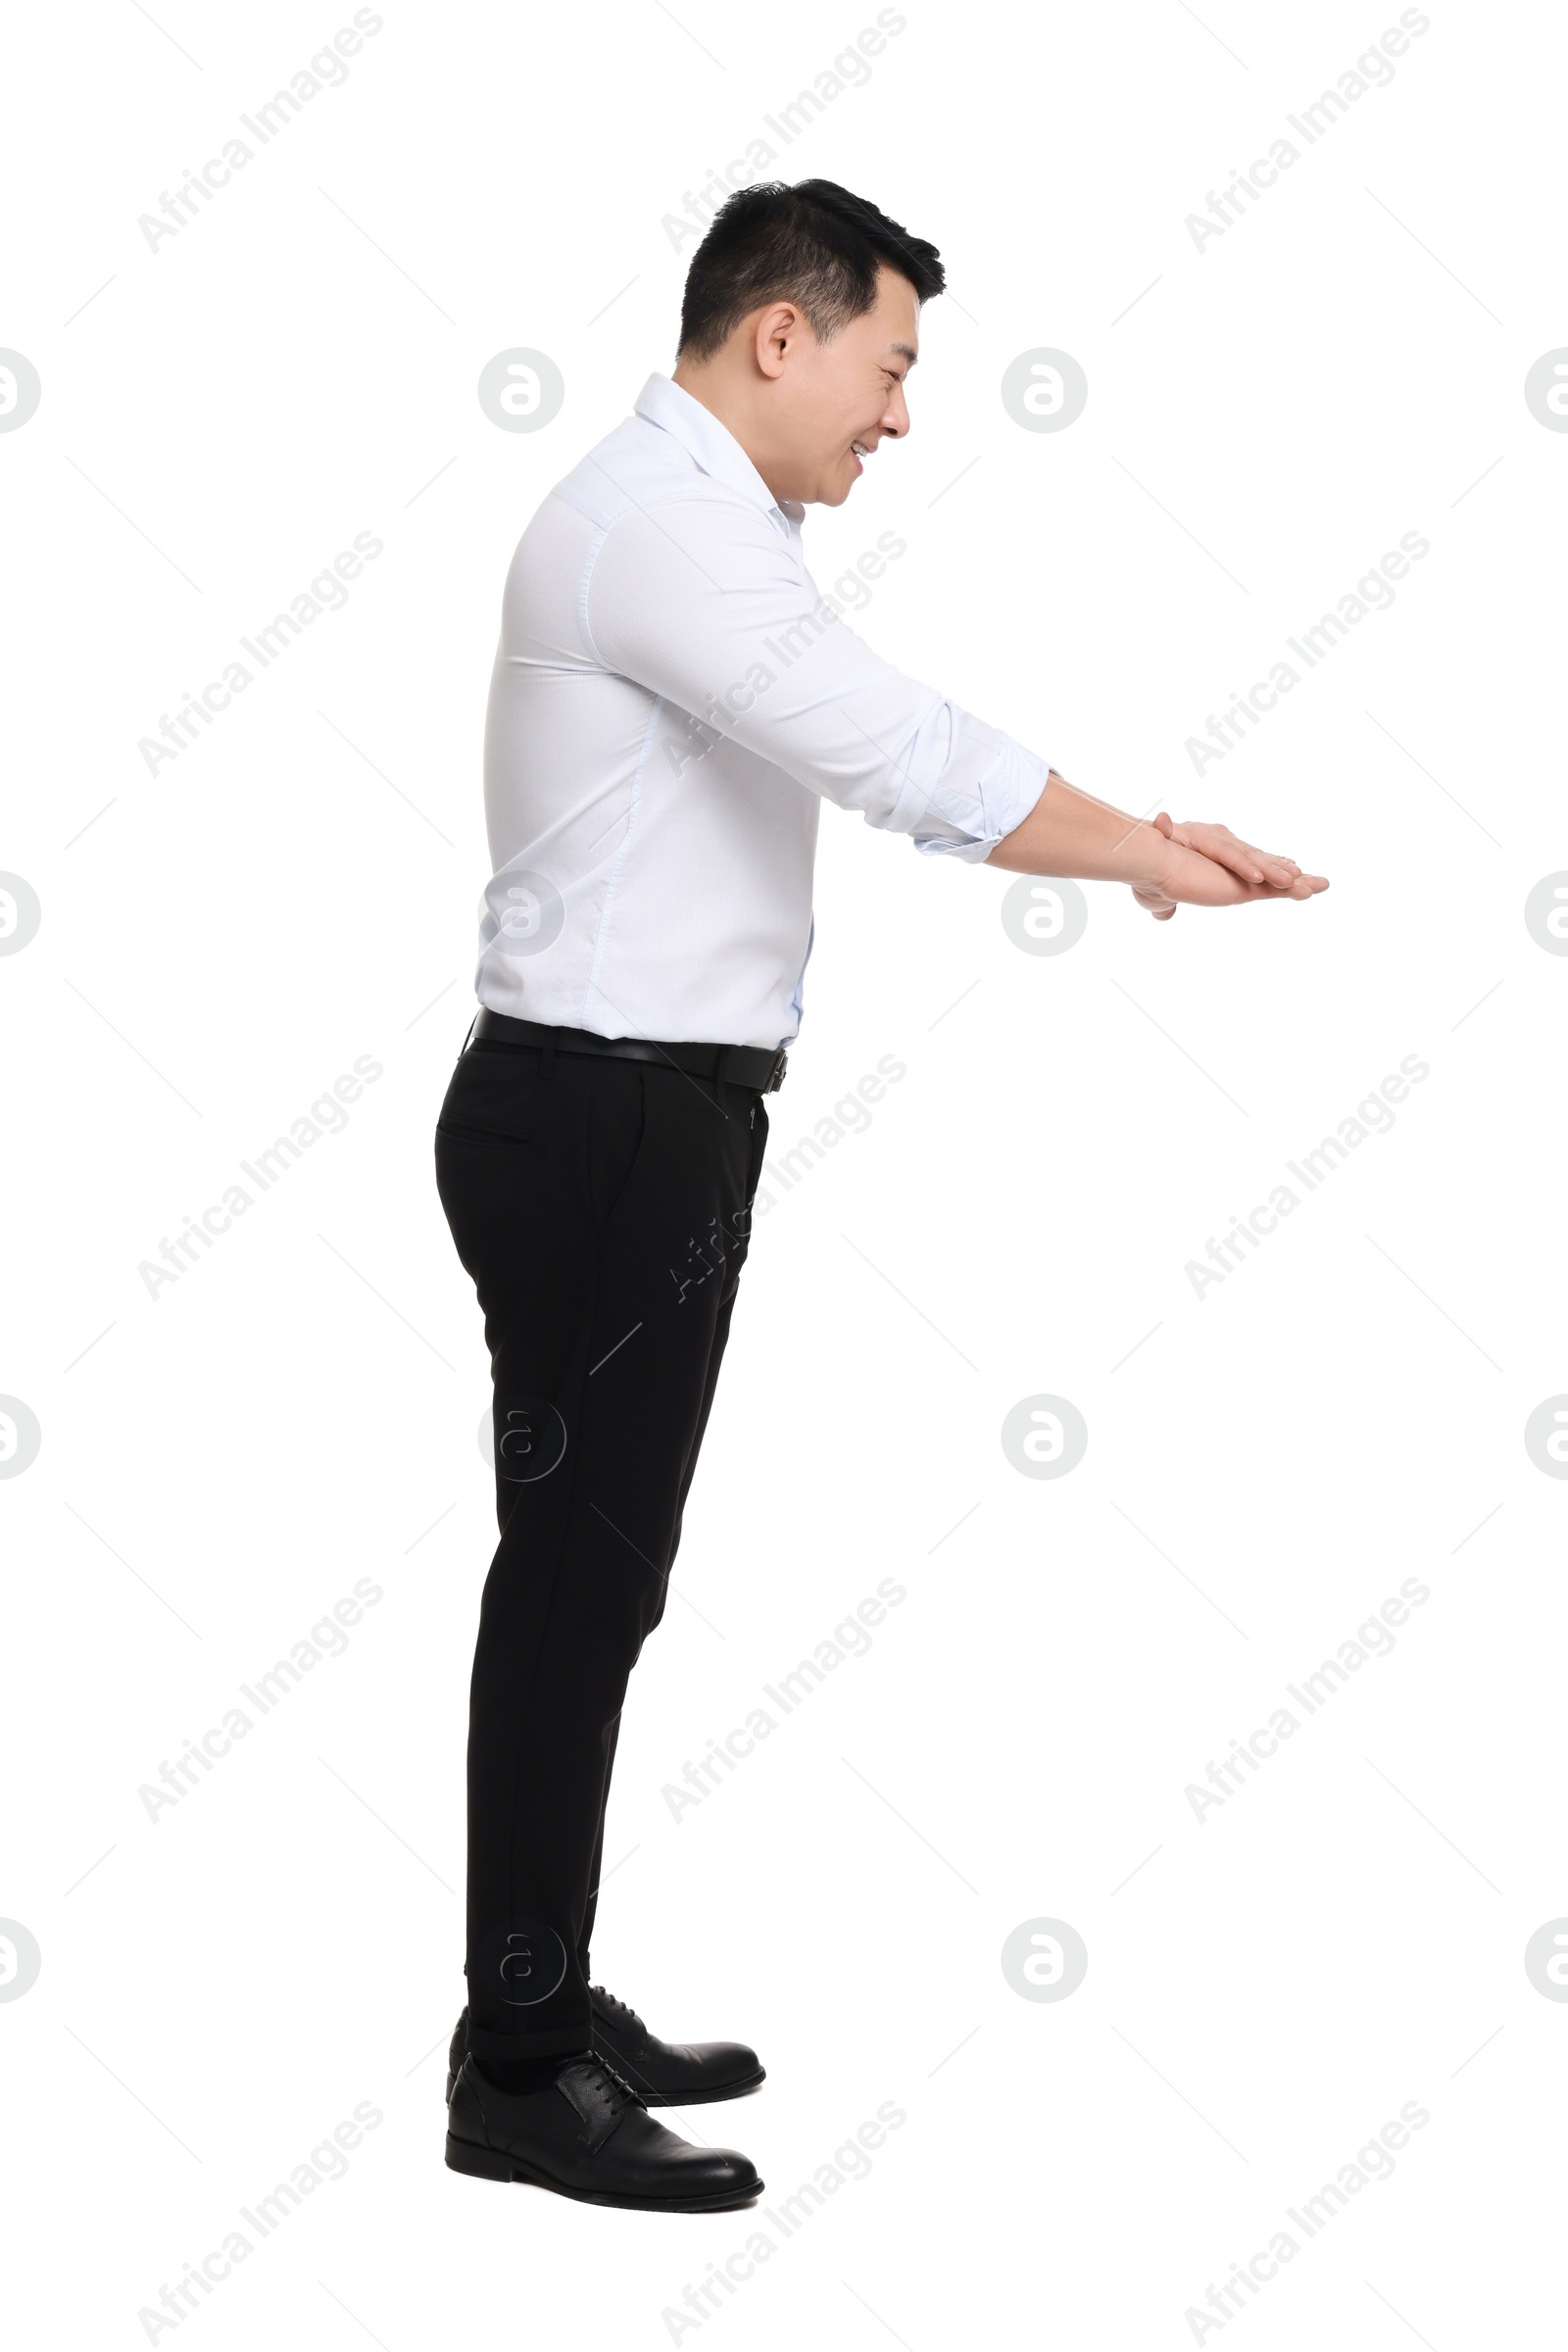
x=673 y=700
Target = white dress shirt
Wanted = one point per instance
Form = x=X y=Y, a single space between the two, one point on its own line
x=672 y=700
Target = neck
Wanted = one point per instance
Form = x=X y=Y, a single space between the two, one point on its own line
x=729 y=398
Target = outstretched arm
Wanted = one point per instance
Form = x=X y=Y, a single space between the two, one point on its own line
x=1069 y=832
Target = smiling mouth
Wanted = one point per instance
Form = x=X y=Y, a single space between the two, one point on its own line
x=859 y=448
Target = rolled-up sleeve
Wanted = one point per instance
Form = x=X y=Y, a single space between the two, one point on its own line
x=705 y=601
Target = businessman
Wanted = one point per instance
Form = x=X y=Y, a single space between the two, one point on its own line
x=672 y=701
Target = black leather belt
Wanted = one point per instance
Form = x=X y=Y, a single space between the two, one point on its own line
x=754 y=1066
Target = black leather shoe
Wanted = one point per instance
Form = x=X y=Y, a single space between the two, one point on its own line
x=663 y=2074
x=588 y=2136
x=669 y=2073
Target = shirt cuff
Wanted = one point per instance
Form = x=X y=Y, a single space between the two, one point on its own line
x=999 y=801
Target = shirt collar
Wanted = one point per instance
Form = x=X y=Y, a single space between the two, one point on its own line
x=712 y=445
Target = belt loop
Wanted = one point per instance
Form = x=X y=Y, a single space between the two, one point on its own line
x=547 y=1058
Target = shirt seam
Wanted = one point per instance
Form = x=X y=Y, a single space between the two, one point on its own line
x=676 y=495
x=591 y=987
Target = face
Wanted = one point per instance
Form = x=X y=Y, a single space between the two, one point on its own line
x=834 y=402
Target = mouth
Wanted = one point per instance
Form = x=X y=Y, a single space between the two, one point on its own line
x=860 y=450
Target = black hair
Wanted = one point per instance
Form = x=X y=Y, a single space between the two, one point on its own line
x=813 y=243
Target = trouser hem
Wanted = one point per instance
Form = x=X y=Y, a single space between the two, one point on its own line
x=562 y=2041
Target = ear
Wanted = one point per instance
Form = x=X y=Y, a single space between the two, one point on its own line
x=779 y=329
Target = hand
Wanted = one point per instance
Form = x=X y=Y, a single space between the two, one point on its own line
x=1206 y=865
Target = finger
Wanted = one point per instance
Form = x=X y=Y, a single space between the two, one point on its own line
x=1237 y=857
x=1277 y=871
x=1161 y=824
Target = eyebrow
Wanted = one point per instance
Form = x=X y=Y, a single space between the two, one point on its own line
x=905 y=351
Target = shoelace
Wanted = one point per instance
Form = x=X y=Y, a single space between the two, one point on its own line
x=619 y=2084
x=618 y=2007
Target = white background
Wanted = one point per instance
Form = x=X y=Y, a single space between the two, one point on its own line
x=1265 y=1464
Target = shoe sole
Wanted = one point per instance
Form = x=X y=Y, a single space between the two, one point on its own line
x=658 y=2098
x=490 y=2164
x=696 y=2099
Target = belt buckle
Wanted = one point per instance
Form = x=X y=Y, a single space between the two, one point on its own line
x=775 y=1076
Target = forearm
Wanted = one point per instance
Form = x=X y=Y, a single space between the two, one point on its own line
x=1069 y=832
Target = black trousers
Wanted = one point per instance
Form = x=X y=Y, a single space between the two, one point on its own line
x=602 y=1208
